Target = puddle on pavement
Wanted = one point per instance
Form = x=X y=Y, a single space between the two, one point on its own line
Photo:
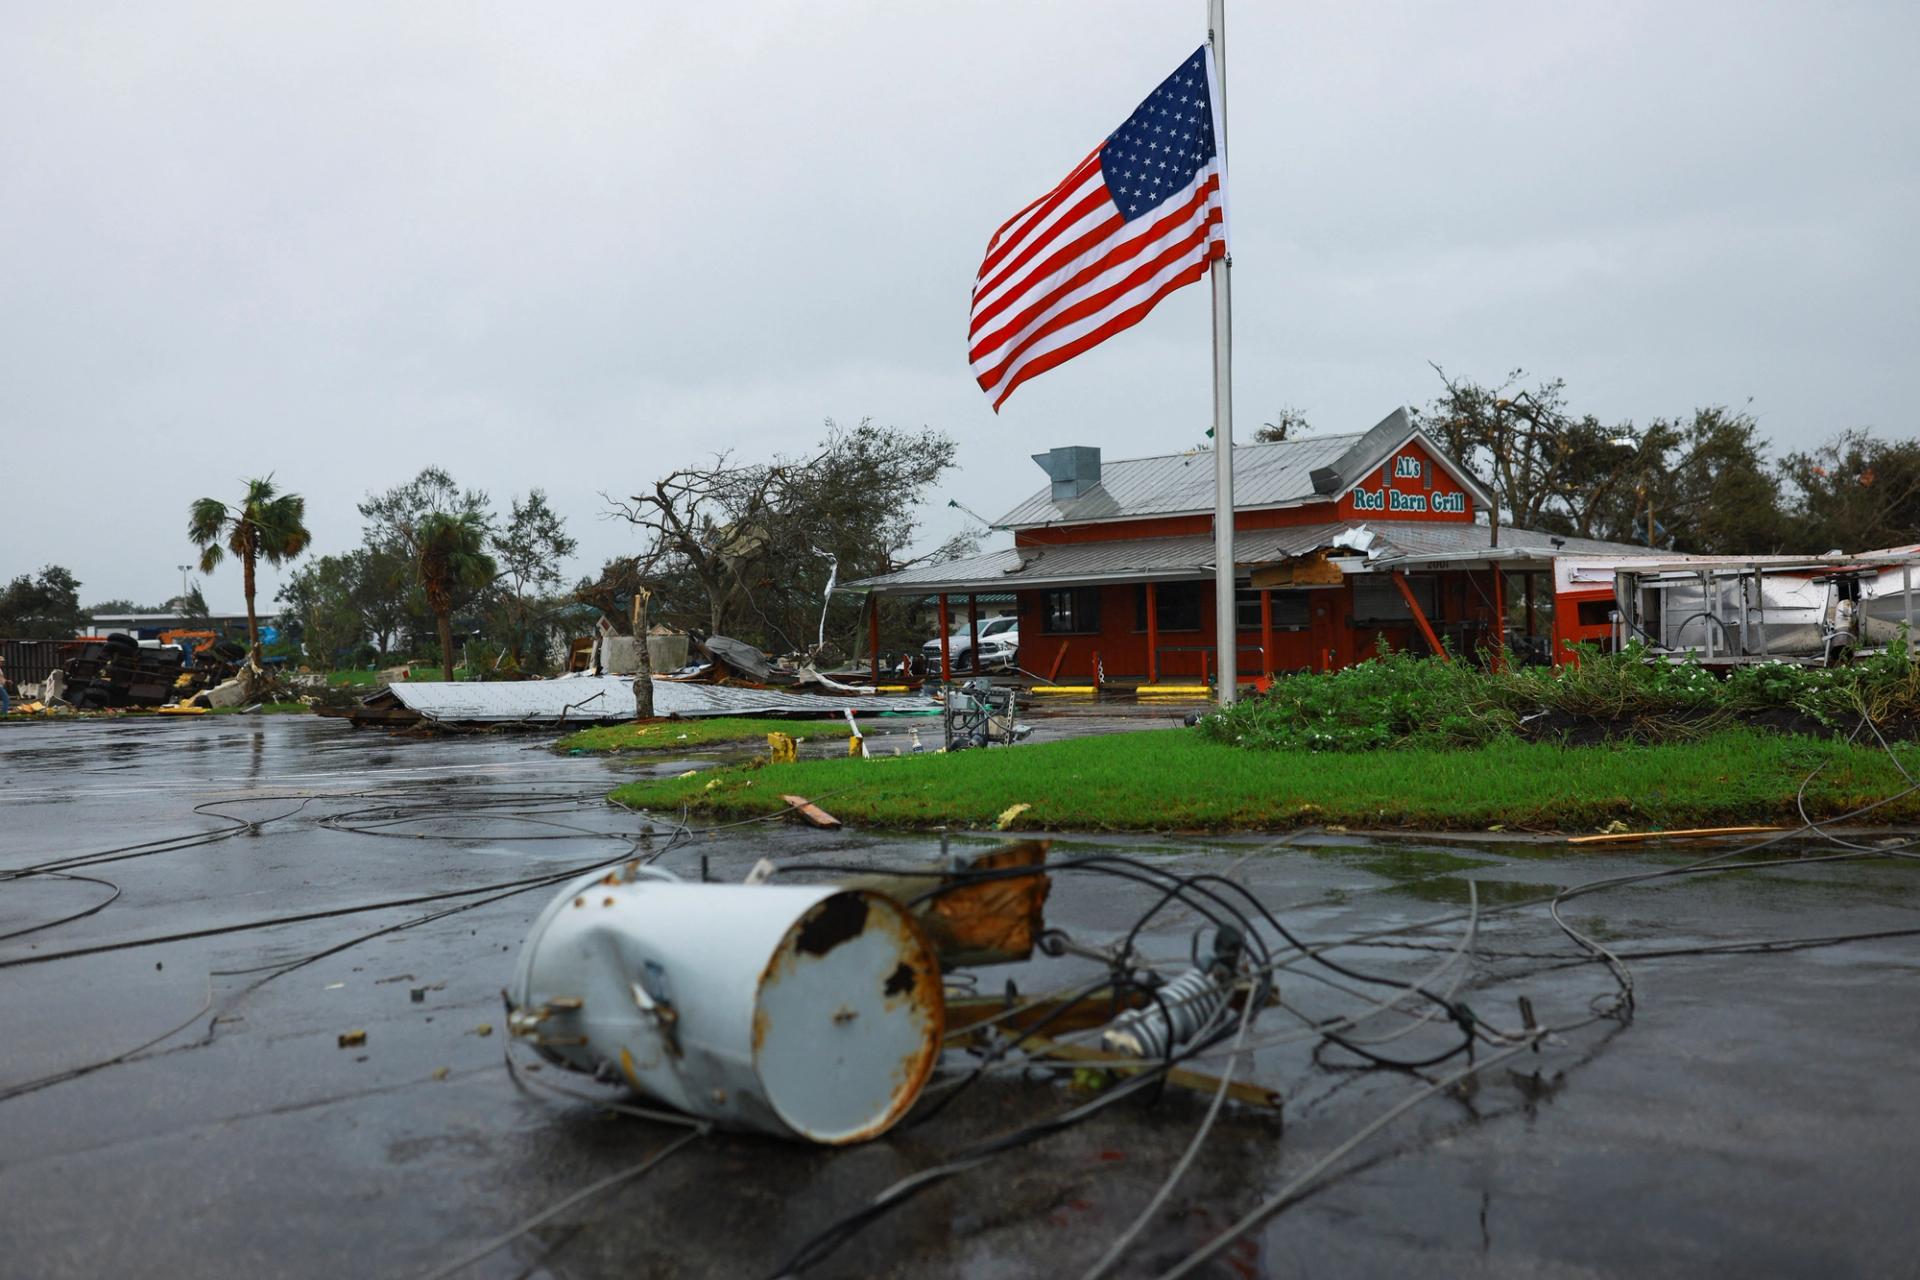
x=1433 y=875
x=1452 y=890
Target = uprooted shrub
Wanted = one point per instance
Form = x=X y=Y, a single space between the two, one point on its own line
x=1397 y=700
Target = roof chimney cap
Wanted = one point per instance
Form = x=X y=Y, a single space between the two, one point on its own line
x=1074 y=469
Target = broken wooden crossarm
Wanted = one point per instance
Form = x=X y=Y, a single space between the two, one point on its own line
x=1083 y=1013
x=1252 y=1095
x=1096 y=1009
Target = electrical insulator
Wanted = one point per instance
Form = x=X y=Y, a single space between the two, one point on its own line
x=1190 y=1001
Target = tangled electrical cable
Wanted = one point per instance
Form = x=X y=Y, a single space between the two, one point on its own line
x=1224 y=903
x=398 y=807
x=1263 y=946
x=481 y=895
x=1233 y=912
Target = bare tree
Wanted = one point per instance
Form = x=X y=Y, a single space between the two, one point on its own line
x=759 y=543
x=714 y=520
x=1545 y=467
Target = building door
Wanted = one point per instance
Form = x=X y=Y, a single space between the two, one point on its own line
x=1321 y=628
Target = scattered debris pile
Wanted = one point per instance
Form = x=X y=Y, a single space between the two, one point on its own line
x=732 y=678
x=736 y=660
x=117 y=672
x=718 y=659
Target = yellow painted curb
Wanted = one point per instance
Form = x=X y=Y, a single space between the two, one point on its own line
x=1072 y=690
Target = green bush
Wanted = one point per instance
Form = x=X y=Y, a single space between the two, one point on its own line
x=1396 y=700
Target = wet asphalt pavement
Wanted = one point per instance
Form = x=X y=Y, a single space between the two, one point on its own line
x=1757 y=1116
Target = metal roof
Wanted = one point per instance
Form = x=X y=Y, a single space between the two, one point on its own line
x=581 y=699
x=1264 y=475
x=1396 y=544
x=1287 y=472
x=1391 y=434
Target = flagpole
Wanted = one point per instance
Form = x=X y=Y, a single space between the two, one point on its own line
x=1226 y=633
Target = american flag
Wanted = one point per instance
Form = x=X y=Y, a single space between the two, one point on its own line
x=1141 y=216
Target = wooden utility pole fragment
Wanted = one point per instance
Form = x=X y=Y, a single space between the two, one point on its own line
x=643 y=661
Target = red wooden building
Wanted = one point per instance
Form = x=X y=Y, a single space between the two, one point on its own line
x=1340 y=543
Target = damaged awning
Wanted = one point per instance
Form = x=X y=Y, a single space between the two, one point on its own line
x=1363 y=547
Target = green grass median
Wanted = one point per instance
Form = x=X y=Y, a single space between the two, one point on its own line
x=675 y=735
x=1177 y=780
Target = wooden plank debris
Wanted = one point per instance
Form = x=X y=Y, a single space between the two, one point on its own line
x=812 y=814
x=1241 y=1091
x=1685 y=833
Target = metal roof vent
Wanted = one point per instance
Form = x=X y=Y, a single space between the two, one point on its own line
x=1074 y=470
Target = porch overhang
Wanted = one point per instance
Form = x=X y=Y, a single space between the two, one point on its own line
x=1406 y=546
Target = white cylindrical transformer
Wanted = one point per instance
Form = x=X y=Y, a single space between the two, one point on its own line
x=806 y=1011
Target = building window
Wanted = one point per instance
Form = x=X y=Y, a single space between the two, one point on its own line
x=1377 y=599
x=1177 y=605
x=1075 y=611
x=1595 y=613
x=1289 y=610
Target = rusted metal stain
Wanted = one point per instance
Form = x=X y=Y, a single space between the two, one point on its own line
x=761 y=1022
x=927 y=993
x=913 y=986
x=997 y=917
x=833 y=922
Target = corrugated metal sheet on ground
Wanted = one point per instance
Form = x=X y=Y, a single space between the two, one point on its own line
x=589 y=698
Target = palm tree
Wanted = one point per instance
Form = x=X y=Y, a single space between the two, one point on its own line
x=451 y=555
x=266 y=525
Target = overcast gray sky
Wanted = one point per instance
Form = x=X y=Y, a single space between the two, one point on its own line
x=573 y=246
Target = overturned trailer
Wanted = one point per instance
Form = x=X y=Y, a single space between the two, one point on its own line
x=1725 y=610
